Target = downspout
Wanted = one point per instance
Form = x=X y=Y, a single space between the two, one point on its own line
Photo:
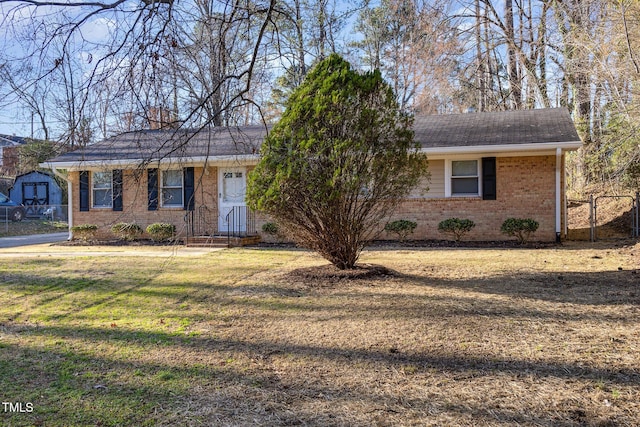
x=69 y=199
x=558 y=193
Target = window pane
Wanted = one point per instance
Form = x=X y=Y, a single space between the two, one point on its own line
x=172 y=196
x=172 y=178
x=464 y=168
x=233 y=189
x=102 y=198
x=102 y=180
x=464 y=186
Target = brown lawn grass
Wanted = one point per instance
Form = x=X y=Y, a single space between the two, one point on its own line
x=456 y=337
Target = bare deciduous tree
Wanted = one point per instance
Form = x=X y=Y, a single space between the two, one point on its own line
x=132 y=46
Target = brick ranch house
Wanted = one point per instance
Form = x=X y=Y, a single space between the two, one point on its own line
x=486 y=167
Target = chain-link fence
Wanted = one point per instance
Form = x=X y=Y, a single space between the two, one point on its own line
x=609 y=217
x=20 y=220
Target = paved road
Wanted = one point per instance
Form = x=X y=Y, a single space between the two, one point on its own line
x=39 y=245
x=36 y=239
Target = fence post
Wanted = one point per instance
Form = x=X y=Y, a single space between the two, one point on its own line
x=592 y=213
x=633 y=217
x=637 y=227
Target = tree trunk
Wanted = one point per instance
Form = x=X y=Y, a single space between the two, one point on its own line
x=515 y=92
x=480 y=63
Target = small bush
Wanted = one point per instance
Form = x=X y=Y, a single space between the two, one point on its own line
x=401 y=227
x=456 y=227
x=84 y=231
x=126 y=230
x=161 y=232
x=270 y=228
x=520 y=228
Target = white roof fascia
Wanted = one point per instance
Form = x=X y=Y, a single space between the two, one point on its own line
x=245 y=159
x=510 y=150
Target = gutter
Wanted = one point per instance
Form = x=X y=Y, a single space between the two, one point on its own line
x=244 y=159
x=502 y=150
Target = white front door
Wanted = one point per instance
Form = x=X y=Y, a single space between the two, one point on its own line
x=232 y=189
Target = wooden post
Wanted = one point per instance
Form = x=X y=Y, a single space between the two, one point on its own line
x=592 y=215
x=637 y=204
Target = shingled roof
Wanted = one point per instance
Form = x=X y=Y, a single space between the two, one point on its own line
x=494 y=129
x=149 y=145
x=11 y=140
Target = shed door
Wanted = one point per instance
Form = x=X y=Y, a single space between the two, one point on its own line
x=232 y=189
x=35 y=197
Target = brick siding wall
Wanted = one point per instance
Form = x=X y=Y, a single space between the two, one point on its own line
x=525 y=189
x=135 y=200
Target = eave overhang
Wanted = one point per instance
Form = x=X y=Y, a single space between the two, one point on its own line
x=245 y=159
x=510 y=150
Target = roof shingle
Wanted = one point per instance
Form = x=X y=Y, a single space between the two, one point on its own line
x=437 y=131
x=495 y=128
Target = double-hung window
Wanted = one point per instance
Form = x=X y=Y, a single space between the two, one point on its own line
x=172 y=188
x=102 y=189
x=465 y=178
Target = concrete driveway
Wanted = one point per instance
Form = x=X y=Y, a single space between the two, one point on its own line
x=36 y=239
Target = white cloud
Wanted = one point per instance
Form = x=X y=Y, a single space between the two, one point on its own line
x=98 y=31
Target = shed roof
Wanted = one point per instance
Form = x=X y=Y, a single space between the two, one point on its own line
x=34 y=173
x=506 y=130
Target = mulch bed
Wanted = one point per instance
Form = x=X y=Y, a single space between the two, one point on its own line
x=112 y=242
x=464 y=244
x=328 y=275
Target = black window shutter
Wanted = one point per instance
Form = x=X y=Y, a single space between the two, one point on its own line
x=117 y=190
x=189 y=184
x=152 y=189
x=84 y=191
x=489 y=178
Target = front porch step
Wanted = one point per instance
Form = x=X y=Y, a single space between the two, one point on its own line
x=220 y=241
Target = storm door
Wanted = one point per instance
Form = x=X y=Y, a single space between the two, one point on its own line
x=232 y=189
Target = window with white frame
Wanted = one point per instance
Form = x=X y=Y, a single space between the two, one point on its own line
x=102 y=189
x=465 y=178
x=172 y=188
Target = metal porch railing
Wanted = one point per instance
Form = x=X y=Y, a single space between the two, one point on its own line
x=241 y=222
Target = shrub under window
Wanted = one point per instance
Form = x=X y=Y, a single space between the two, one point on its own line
x=84 y=232
x=401 y=227
x=456 y=227
x=520 y=228
x=160 y=231
x=126 y=231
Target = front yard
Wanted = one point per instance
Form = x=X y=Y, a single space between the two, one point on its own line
x=457 y=337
